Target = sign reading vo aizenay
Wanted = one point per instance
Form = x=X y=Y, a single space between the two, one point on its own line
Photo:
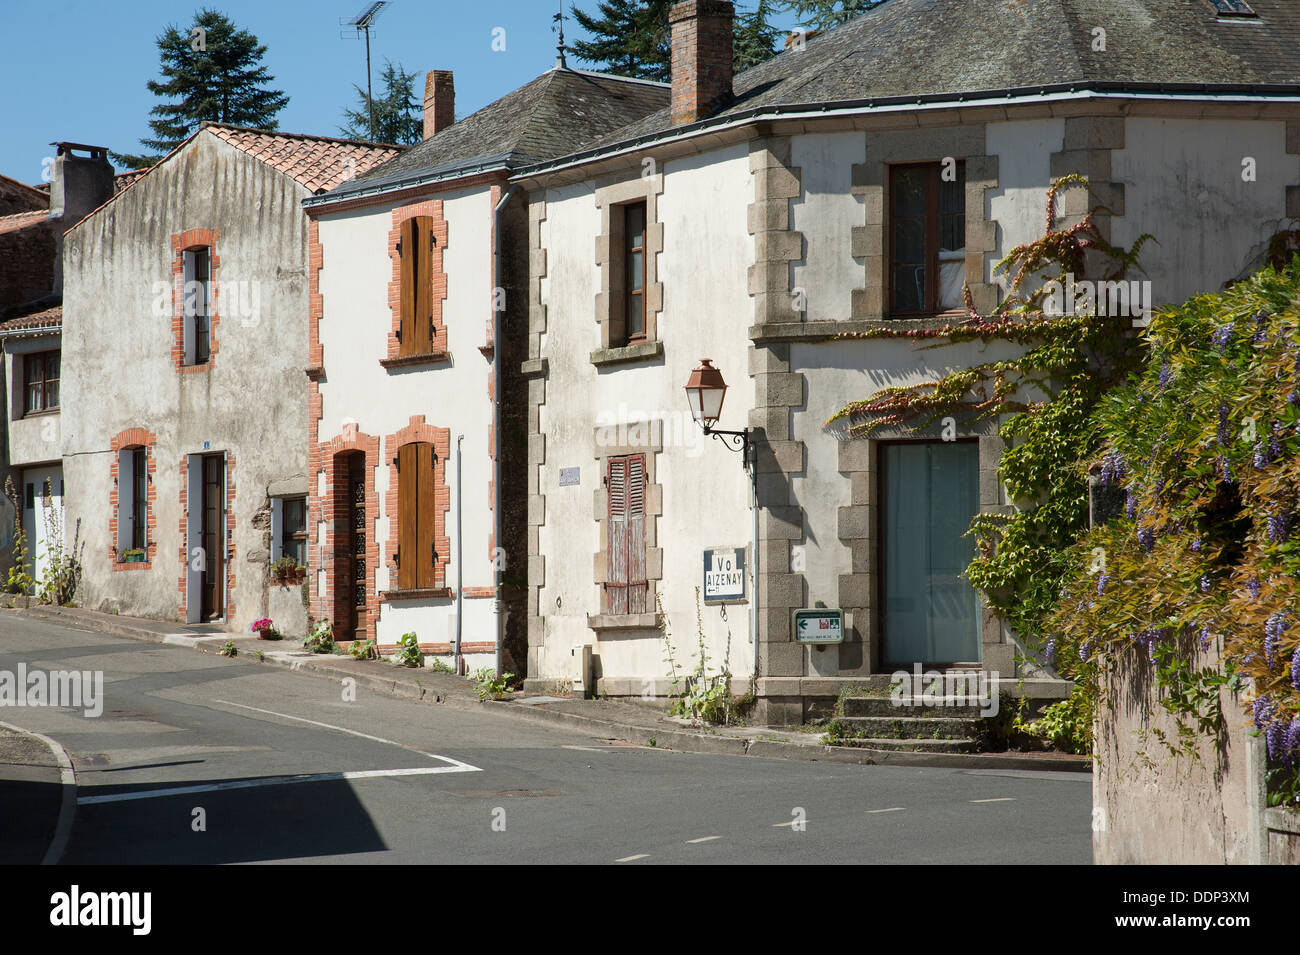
x=724 y=574
x=819 y=626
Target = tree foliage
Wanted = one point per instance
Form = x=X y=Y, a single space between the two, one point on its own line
x=827 y=14
x=398 y=117
x=211 y=71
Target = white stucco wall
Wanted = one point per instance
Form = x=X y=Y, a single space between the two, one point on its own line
x=118 y=371
x=1183 y=184
x=1019 y=205
x=825 y=213
x=36 y=438
x=706 y=491
x=354 y=329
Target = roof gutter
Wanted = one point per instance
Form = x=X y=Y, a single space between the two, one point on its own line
x=1061 y=92
x=415 y=182
x=31 y=332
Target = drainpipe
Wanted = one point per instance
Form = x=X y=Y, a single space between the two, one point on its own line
x=460 y=563
x=498 y=322
x=753 y=568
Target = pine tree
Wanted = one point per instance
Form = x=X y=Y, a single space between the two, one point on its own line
x=398 y=117
x=629 y=37
x=827 y=14
x=755 y=37
x=211 y=71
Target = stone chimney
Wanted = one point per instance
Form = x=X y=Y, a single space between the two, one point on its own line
x=439 y=101
x=702 y=57
x=80 y=184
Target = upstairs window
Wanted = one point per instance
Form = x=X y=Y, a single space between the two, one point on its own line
x=416 y=557
x=415 y=248
x=927 y=229
x=634 y=219
x=40 y=382
x=198 y=305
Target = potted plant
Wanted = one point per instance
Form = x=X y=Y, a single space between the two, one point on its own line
x=286 y=571
x=266 y=630
x=134 y=555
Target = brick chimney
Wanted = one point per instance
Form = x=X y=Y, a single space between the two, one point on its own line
x=79 y=184
x=439 y=101
x=702 y=52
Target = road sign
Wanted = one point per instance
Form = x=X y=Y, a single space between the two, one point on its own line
x=819 y=625
x=724 y=574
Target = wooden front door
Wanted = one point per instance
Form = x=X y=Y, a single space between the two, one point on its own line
x=355 y=589
x=213 y=586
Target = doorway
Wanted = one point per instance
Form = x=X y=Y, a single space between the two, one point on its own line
x=207 y=537
x=929 y=491
x=351 y=590
x=42 y=515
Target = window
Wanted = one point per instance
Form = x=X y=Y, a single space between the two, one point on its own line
x=132 y=499
x=198 y=301
x=41 y=382
x=416 y=558
x=927 y=212
x=289 y=529
x=634 y=271
x=1232 y=8
x=415 y=248
x=626 y=585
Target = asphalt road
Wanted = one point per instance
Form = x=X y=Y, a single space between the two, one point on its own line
x=200 y=759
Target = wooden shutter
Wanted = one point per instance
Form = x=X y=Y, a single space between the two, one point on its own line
x=424 y=533
x=408 y=516
x=625 y=558
x=416 y=557
x=416 y=258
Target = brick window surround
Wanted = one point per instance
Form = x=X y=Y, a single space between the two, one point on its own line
x=611 y=300
x=440 y=439
x=330 y=513
x=182 y=241
x=431 y=208
x=133 y=438
x=635 y=438
x=182 y=583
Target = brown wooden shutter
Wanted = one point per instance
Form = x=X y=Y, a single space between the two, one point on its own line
x=424 y=533
x=423 y=327
x=408 y=257
x=408 y=517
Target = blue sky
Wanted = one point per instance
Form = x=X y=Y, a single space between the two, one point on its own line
x=75 y=70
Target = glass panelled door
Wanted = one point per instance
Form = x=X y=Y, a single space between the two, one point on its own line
x=214 y=536
x=929 y=491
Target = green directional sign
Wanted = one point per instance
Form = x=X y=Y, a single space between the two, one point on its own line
x=819 y=625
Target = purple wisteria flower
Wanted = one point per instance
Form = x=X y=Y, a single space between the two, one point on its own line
x=1275 y=737
x=1253 y=586
x=1273 y=631
x=1221 y=336
x=1275 y=442
x=1292 y=398
x=1226 y=469
x=1279 y=526
x=1196 y=546
x=1206 y=637
x=1206 y=583
x=1113 y=468
x=1101 y=583
x=1261 y=711
x=1224 y=434
x=1291 y=743
x=1130 y=503
x=1260 y=319
x=1295 y=668
x=1260 y=459
x=1085 y=649
x=1166 y=375
x=1051 y=652
x=1147 y=538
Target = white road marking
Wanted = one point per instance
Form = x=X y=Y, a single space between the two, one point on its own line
x=643 y=855
x=778 y=825
x=462 y=767
x=702 y=839
x=999 y=799
x=893 y=809
x=588 y=749
x=271 y=781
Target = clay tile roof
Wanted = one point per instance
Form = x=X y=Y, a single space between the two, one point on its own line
x=22 y=220
x=124 y=179
x=318 y=163
x=52 y=317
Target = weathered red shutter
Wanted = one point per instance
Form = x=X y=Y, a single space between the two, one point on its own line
x=616 y=553
x=636 y=577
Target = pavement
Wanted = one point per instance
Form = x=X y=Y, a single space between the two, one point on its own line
x=197 y=758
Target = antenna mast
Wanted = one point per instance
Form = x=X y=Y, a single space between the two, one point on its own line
x=362 y=23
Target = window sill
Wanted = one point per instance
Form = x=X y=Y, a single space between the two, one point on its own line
x=43 y=413
x=406 y=361
x=417 y=593
x=827 y=330
x=191 y=369
x=625 y=621
x=642 y=351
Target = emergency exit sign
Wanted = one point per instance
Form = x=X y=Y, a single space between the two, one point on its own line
x=819 y=625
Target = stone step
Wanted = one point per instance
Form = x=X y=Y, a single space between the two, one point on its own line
x=911 y=745
x=908 y=727
x=942 y=707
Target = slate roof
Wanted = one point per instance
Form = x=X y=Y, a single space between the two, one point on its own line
x=318 y=163
x=547 y=117
x=939 y=48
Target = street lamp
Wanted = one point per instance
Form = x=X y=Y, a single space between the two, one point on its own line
x=705 y=392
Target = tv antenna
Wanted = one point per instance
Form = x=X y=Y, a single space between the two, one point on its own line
x=560 y=62
x=360 y=24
